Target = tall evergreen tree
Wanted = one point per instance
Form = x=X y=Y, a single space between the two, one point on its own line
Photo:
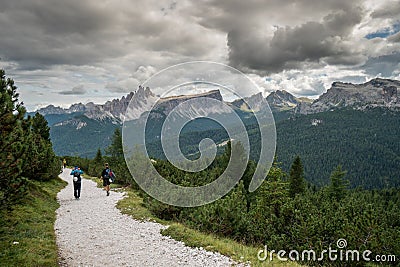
x=40 y=161
x=96 y=165
x=117 y=159
x=25 y=147
x=12 y=143
x=116 y=149
x=296 y=178
x=267 y=214
x=99 y=157
x=338 y=185
x=40 y=127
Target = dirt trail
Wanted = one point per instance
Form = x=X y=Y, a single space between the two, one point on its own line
x=93 y=232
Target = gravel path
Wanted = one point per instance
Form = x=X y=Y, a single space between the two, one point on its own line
x=93 y=232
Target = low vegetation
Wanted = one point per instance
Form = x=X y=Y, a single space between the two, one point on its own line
x=26 y=152
x=284 y=213
x=27 y=235
x=365 y=142
x=28 y=184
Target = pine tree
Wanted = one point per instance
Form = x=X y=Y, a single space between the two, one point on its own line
x=12 y=143
x=96 y=165
x=40 y=161
x=99 y=157
x=268 y=213
x=116 y=149
x=296 y=178
x=40 y=127
x=338 y=184
x=117 y=160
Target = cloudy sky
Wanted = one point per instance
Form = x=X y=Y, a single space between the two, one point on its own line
x=62 y=52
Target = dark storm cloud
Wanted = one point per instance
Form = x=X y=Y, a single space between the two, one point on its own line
x=389 y=10
x=77 y=90
x=307 y=33
x=383 y=65
x=38 y=34
x=292 y=47
x=228 y=15
x=112 y=46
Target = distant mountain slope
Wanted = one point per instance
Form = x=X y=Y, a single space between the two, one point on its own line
x=111 y=110
x=375 y=93
x=366 y=143
x=81 y=129
x=365 y=140
x=278 y=101
x=81 y=136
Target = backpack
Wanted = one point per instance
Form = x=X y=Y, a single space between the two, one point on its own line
x=110 y=175
x=77 y=176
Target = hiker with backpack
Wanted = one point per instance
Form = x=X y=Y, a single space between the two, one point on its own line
x=77 y=180
x=108 y=177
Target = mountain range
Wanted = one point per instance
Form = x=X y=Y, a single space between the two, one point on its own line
x=375 y=93
x=83 y=128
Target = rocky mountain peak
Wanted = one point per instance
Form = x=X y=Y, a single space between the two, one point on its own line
x=143 y=92
x=51 y=109
x=77 y=108
x=282 y=100
x=254 y=103
x=169 y=103
x=375 y=93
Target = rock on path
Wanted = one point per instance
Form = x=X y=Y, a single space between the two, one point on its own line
x=93 y=232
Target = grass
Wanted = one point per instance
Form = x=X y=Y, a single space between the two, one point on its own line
x=27 y=236
x=133 y=206
x=237 y=251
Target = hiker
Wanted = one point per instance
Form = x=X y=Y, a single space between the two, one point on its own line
x=77 y=179
x=65 y=163
x=108 y=177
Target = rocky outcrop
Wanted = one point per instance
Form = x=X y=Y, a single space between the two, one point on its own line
x=375 y=93
x=142 y=101
x=279 y=100
x=253 y=103
x=51 y=109
x=169 y=103
x=282 y=100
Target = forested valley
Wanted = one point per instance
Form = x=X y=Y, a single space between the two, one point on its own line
x=286 y=212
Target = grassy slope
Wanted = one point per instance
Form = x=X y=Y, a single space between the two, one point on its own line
x=31 y=224
x=133 y=206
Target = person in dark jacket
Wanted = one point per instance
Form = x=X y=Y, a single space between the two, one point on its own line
x=77 y=180
x=107 y=176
